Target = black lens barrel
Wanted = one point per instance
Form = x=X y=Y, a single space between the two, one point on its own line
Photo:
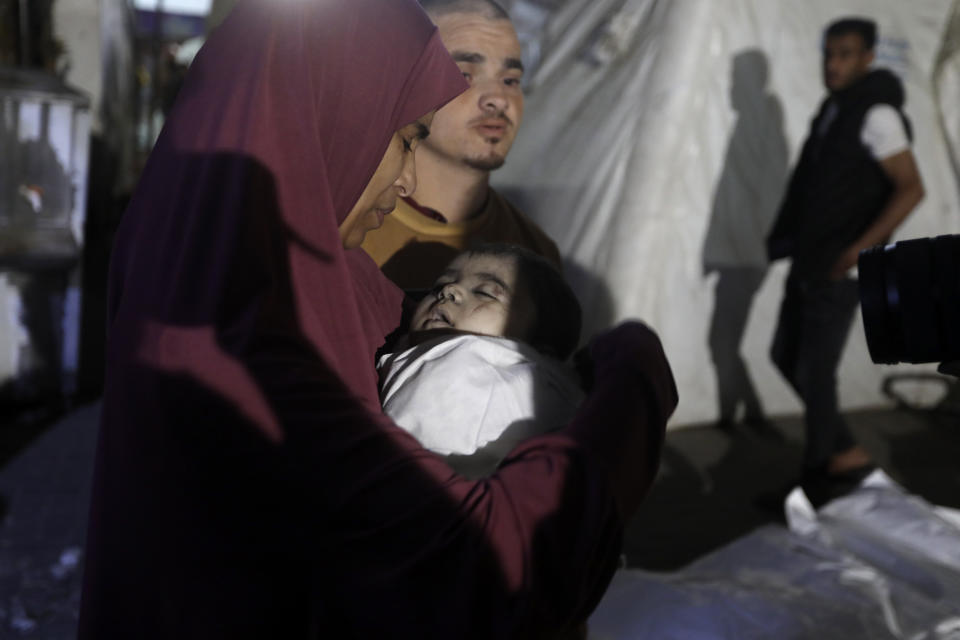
x=910 y=300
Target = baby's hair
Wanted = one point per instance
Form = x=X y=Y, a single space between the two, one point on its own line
x=556 y=322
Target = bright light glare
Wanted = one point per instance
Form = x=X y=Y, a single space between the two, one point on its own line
x=187 y=7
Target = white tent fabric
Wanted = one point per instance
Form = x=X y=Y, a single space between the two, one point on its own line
x=656 y=142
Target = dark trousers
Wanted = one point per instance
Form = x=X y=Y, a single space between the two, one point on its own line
x=815 y=319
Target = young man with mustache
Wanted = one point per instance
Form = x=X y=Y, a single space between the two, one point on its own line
x=454 y=206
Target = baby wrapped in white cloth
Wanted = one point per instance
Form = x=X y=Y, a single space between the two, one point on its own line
x=484 y=366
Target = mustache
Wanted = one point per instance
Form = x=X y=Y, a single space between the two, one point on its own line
x=496 y=118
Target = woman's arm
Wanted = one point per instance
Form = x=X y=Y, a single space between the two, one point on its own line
x=405 y=546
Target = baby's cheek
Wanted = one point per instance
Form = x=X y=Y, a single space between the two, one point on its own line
x=503 y=321
x=419 y=313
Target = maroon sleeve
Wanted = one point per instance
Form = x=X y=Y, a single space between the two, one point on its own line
x=624 y=422
x=405 y=547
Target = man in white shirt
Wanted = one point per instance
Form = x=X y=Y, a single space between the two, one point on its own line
x=856 y=181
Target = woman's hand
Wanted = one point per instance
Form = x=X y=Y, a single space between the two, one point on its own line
x=627 y=344
x=632 y=393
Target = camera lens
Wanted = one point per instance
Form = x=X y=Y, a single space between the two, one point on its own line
x=910 y=300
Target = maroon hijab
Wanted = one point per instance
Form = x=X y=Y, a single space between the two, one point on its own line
x=229 y=254
x=285 y=115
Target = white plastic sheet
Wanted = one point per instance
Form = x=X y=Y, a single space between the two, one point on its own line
x=655 y=144
x=876 y=564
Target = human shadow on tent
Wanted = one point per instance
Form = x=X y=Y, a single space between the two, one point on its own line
x=745 y=203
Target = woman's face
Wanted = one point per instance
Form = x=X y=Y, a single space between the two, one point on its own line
x=396 y=176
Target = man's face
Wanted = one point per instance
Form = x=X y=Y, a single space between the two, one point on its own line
x=477 y=293
x=845 y=60
x=477 y=128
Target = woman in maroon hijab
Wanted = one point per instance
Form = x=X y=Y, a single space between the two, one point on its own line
x=247 y=484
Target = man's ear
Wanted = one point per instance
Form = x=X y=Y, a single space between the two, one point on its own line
x=871 y=56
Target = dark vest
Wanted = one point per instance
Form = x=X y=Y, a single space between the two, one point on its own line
x=837 y=189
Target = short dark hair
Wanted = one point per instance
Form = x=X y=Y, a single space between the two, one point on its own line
x=863 y=27
x=557 y=314
x=488 y=8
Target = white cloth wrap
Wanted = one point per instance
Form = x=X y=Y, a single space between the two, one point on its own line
x=459 y=394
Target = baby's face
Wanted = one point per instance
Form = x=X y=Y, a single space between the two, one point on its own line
x=477 y=293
